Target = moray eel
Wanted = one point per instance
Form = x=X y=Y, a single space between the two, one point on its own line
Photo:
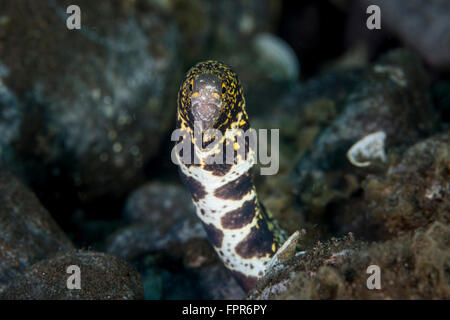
x=237 y=225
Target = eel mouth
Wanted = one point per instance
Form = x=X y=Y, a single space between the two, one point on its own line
x=206 y=101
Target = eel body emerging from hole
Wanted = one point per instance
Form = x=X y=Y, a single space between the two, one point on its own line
x=212 y=118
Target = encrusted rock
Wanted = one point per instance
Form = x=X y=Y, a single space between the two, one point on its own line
x=392 y=98
x=102 y=277
x=28 y=233
x=415 y=191
x=413 y=266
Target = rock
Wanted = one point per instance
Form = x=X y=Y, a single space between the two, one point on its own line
x=157 y=203
x=391 y=98
x=134 y=240
x=103 y=277
x=298 y=273
x=300 y=111
x=158 y=214
x=266 y=63
x=205 y=30
x=412 y=266
x=28 y=233
x=92 y=115
x=421 y=24
x=11 y=115
x=415 y=191
x=412 y=192
x=277 y=56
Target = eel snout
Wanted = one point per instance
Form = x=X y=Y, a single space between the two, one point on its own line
x=206 y=100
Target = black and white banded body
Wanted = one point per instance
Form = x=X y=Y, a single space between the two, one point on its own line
x=211 y=98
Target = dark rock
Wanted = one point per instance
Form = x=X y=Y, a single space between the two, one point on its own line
x=134 y=240
x=158 y=203
x=103 y=277
x=205 y=27
x=422 y=24
x=159 y=214
x=392 y=98
x=28 y=233
x=94 y=109
x=301 y=111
